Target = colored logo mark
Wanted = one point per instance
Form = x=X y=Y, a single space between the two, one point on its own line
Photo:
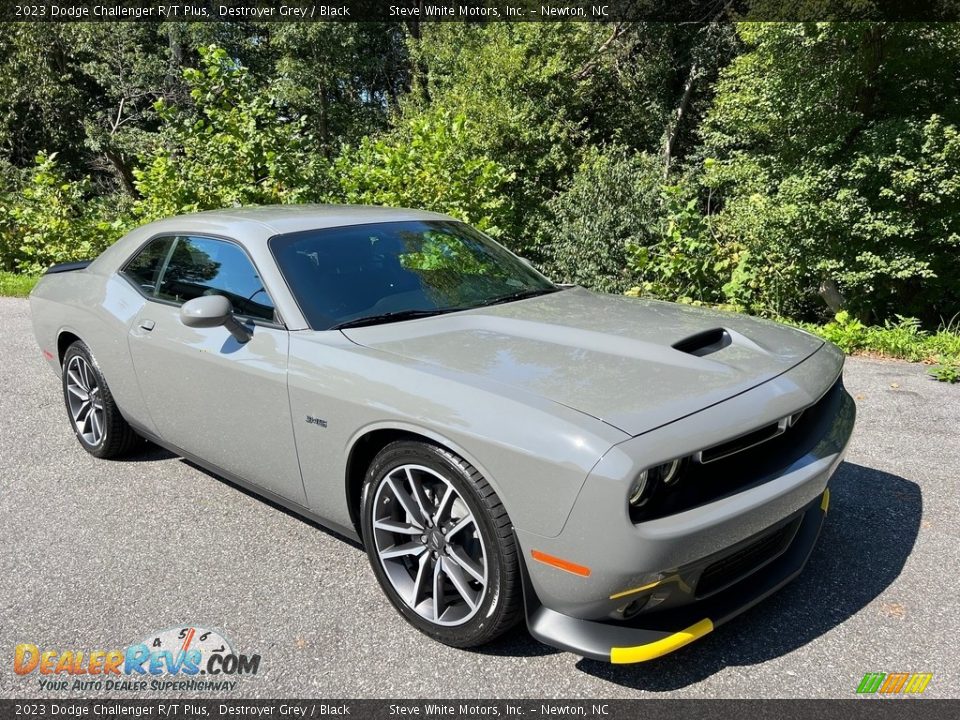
x=894 y=683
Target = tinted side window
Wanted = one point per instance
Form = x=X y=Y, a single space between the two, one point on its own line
x=203 y=266
x=144 y=269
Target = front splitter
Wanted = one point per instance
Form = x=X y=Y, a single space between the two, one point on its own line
x=654 y=635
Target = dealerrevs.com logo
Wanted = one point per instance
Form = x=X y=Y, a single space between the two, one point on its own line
x=186 y=658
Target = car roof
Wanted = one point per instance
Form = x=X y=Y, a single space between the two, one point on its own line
x=252 y=227
x=278 y=219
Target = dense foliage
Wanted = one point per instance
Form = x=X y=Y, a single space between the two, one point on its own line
x=51 y=219
x=231 y=147
x=610 y=207
x=837 y=155
x=793 y=170
x=425 y=163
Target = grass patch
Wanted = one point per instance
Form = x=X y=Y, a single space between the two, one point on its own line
x=16 y=285
x=903 y=339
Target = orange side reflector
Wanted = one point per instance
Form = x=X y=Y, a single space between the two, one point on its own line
x=556 y=562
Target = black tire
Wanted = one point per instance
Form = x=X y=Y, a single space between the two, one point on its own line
x=500 y=605
x=115 y=438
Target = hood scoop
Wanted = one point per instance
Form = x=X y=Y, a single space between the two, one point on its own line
x=704 y=343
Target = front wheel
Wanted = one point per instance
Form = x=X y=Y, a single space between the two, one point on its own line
x=441 y=544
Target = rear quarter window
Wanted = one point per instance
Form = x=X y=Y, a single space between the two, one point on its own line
x=145 y=267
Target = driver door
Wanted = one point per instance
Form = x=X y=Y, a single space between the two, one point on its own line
x=207 y=393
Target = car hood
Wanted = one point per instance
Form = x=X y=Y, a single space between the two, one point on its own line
x=632 y=363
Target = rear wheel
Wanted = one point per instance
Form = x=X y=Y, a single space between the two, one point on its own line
x=94 y=415
x=441 y=544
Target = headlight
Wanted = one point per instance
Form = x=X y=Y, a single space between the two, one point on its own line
x=636 y=490
x=669 y=472
x=649 y=481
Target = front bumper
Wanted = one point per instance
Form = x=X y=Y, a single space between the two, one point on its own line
x=612 y=588
x=654 y=634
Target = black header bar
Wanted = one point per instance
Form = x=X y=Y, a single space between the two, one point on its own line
x=477 y=10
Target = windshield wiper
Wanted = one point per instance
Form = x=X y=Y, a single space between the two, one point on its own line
x=519 y=295
x=388 y=317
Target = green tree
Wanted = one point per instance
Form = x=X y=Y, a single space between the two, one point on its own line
x=345 y=78
x=234 y=148
x=86 y=90
x=45 y=112
x=529 y=91
x=54 y=219
x=427 y=164
x=836 y=170
x=611 y=205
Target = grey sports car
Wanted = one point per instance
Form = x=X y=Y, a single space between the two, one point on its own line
x=626 y=474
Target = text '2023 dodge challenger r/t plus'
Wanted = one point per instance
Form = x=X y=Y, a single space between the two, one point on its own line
x=626 y=474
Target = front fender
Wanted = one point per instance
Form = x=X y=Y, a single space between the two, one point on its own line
x=535 y=454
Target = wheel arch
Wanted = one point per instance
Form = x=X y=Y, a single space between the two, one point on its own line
x=368 y=442
x=65 y=338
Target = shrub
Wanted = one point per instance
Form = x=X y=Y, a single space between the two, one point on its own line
x=684 y=262
x=425 y=163
x=53 y=219
x=903 y=339
x=232 y=148
x=948 y=372
x=611 y=204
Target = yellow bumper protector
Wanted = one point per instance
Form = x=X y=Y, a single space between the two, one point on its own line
x=659 y=648
x=650 y=651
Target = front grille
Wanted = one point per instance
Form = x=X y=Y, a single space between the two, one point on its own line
x=718 y=472
x=736 y=566
x=744 y=442
x=751 y=439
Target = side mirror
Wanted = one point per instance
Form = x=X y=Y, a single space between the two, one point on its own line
x=209 y=311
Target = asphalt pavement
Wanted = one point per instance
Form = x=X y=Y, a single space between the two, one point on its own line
x=100 y=555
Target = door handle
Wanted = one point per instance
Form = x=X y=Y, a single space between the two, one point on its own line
x=147 y=325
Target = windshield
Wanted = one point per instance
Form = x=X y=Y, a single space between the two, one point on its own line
x=383 y=272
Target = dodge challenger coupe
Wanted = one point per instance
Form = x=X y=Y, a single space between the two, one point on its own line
x=626 y=474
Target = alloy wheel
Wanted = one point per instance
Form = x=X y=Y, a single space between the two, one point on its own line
x=429 y=545
x=84 y=401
